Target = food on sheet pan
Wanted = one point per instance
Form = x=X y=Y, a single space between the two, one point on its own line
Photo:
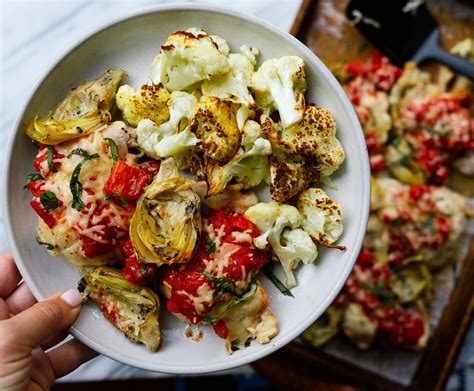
x=416 y=129
x=160 y=200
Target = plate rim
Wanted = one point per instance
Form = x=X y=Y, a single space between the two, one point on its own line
x=271 y=346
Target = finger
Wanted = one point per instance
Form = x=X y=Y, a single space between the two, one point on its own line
x=69 y=356
x=45 y=319
x=9 y=275
x=4 y=310
x=54 y=340
x=20 y=299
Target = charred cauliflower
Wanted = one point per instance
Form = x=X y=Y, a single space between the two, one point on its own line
x=215 y=124
x=279 y=84
x=149 y=102
x=188 y=57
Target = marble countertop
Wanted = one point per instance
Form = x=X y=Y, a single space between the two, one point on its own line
x=35 y=32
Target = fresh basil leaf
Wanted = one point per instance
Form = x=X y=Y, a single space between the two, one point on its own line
x=249 y=292
x=268 y=271
x=51 y=165
x=113 y=148
x=405 y=161
x=429 y=224
x=49 y=246
x=49 y=201
x=32 y=177
x=78 y=151
x=76 y=186
x=123 y=202
x=224 y=285
x=380 y=290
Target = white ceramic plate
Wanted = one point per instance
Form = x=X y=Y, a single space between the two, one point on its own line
x=131 y=44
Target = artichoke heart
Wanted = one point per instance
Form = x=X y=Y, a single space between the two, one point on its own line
x=411 y=281
x=85 y=109
x=166 y=225
x=131 y=308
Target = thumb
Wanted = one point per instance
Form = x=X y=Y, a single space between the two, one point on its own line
x=46 y=318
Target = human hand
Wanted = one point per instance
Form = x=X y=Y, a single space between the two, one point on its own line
x=28 y=329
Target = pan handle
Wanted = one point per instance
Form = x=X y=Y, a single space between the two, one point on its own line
x=431 y=50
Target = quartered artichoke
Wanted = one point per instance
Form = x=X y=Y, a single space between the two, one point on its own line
x=411 y=281
x=86 y=108
x=166 y=225
x=131 y=308
x=326 y=327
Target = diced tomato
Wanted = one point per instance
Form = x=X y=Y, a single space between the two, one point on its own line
x=221 y=329
x=127 y=248
x=417 y=191
x=45 y=215
x=151 y=167
x=127 y=181
x=366 y=258
x=137 y=272
x=220 y=219
x=241 y=224
x=93 y=248
x=36 y=188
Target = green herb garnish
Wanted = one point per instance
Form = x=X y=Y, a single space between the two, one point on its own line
x=224 y=285
x=249 y=292
x=49 y=246
x=113 y=148
x=405 y=161
x=49 y=201
x=51 y=165
x=268 y=271
x=234 y=345
x=379 y=289
x=123 y=202
x=428 y=224
x=76 y=186
x=78 y=151
x=35 y=143
x=32 y=177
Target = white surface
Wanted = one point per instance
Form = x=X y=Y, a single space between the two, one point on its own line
x=35 y=32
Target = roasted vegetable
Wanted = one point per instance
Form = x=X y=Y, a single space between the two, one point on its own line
x=358 y=327
x=149 y=102
x=326 y=327
x=291 y=245
x=322 y=217
x=411 y=280
x=85 y=109
x=279 y=84
x=131 y=308
x=187 y=57
x=233 y=85
x=166 y=226
x=215 y=124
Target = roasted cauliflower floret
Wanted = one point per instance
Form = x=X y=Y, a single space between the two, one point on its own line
x=322 y=217
x=131 y=308
x=234 y=85
x=249 y=166
x=85 y=109
x=313 y=138
x=279 y=84
x=149 y=102
x=279 y=224
x=171 y=138
x=214 y=123
x=188 y=57
x=166 y=225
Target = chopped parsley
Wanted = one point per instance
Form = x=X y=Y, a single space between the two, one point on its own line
x=32 y=177
x=113 y=149
x=51 y=165
x=268 y=271
x=49 y=201
x=76 y=186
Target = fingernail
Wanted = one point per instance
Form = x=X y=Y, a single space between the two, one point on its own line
x=72 y=297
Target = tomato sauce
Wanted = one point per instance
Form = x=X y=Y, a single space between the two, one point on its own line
x=222 y=266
